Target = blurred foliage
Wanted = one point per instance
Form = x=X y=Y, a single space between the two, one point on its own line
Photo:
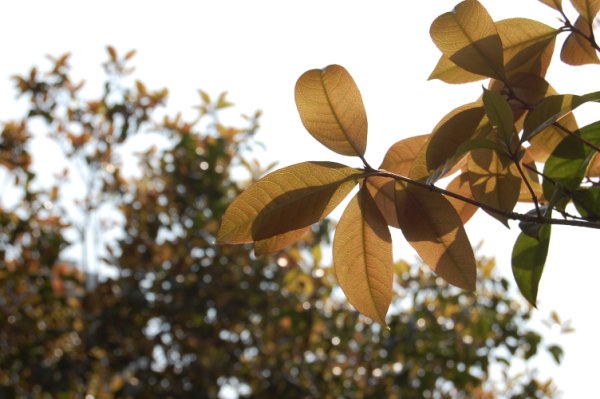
x=182 y=317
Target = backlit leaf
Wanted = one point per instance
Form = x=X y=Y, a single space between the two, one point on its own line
x=468 y=37
x=594 y=168
x=382 y=190
x=455 y=129
x=362 y=257
x=556 y=4
x=528 y=47
x=279 y=242
x=568 y=163
x=401 y=155
x=332 y=110
x=528 y=259
x=530 y=171
x=460 y=185
x=587 y=9
x=576 y=49
x=288 y=199
x=587 y=202
x=494 y=180
x=433 y=228
x=548 y=111
x=500 y=114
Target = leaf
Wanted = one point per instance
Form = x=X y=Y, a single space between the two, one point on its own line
x=460 y=185
x=287 y=199
x=556 y=352
x=594 y=168
x=528 y=259
x=362 y=257
x=456 y=128
x=332 y=110
x=529 y=169
x=587 y=9
x=401 y=155
x=494 y=180
x=448 y=72
x=433 y=228
x=556 y=4
x=550 y=110
x=500 y=115
x=383 y=192
x=279 y=242
x=468 y=37
x=587 y=202
x=528 y=47
x=576 y=49
x=568 y=163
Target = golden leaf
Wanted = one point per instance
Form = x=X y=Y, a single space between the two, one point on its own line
x=468 y=37
x=433 y=228
x=331 y=109
x=362 y=257
x=285 y=200
x=494 y=180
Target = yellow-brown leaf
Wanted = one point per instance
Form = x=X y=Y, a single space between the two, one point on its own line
x=468 y=37
x=332 y=110
x=383 y=192
x=401 y=155
x=556 y=4
x=279 y=242
x=434 y=229
x=285 y=200
x=587 y=9
x=576 y=49
x=494 y=181
x=362 y=257
x=460 y=185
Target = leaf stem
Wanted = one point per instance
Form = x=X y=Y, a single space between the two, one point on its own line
x=529 y=188
x=508 y=214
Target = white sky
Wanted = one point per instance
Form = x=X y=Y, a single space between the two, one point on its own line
x=257 y=49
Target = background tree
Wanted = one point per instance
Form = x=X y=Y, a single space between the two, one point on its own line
x=182 y=317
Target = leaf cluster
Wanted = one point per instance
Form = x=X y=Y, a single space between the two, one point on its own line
x=517 y=143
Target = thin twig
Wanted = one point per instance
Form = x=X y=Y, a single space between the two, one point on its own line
x=507 y=214
x=531 y=192
x=578 y=137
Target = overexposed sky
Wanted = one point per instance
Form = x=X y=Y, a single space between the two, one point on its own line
x=257 y=49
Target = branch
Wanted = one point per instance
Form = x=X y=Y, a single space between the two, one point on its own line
x=578 y=137
x=507 y=214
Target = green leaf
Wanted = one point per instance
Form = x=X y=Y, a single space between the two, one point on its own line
x=494 y=180
x=568 y=163
x=433 y=228
x=550 y=110
x=362 y=257
x=528 y=259
x=556 y=352
x=587 y=202
x=332 y=110
x=288 y=199
x=577 y=50
x=468 y=37
x=500 y=115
